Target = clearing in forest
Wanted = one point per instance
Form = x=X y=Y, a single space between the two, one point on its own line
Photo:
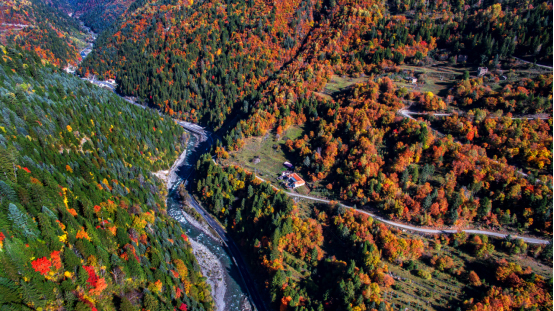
x=271 y=152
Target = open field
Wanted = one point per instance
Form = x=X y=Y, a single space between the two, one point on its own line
x=441 y=76
x=270 y=151
x=338 y=83
x=272 y=154
x=438 y=78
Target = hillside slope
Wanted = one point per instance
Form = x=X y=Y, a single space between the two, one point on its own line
x=96 y=14
x=267 y=65
x=327 y=257
x=42 y=28
x=205 y=60
x=209 y=59
x=83 y=223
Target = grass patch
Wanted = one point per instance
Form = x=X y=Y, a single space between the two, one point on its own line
x=441 y=76
x=438 y=79
x=338 y=83
x=271 y=152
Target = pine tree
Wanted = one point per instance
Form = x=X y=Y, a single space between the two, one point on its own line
x=405 y=178
x=485 y=207
x=427 y=202
x=70 y=260
x=351 y=268
x=31 y=295
x=82 y=277
x=135 y=268
x=7 y=193
x=314 y=255
x=21 y=222
x=8 y=163
x=151 y=303
x=547 y=252
x=10 y=292
x=48 y=212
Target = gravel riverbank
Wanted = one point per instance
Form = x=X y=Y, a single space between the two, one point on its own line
x=202 y=226
x=212 y=269
x=172 y=178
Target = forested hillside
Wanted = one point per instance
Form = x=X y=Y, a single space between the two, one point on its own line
x=267 y=65
x=82 y=219
x=364 y=153
x=433 y=113
x=207 y=59
x=42 y=28
x=333 y=258
x=202 y=61
x=96 y=14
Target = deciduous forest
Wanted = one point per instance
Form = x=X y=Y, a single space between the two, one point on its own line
x=37 y=26
x=198 y=62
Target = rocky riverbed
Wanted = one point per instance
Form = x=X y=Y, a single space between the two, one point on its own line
x=212 y=269
x=209 y=263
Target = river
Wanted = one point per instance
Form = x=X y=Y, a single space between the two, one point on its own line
x=228 y=282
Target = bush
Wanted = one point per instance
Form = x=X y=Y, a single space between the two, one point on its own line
x=424 y=274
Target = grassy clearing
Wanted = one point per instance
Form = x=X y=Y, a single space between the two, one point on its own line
x=438 y=78
x=80 y=39
x=270 y=150
x=272 y=154
x=441 y=76
x=417 y=293
x=80 y=42
x=339 y=83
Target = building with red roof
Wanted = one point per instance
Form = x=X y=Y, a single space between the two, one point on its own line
x=294 y=181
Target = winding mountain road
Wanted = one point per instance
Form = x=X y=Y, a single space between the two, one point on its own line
x=414 y=228
x=408 y=114
x=424 y=230
x=528 y=62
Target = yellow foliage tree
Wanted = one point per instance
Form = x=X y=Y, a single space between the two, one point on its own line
x=181 y=269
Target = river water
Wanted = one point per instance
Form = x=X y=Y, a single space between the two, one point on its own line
x=235 y=297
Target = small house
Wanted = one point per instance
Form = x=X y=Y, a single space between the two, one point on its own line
x=461 y=58
x=69 y=69
x=294 y=181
